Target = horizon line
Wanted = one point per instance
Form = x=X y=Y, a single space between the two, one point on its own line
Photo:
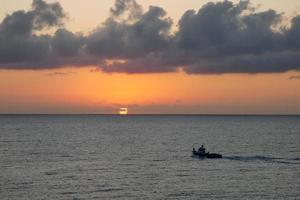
x=144 y=114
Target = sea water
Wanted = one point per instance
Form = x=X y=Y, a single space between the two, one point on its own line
x=148 y=157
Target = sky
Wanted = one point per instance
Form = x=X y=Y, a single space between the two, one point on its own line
x=150 y=56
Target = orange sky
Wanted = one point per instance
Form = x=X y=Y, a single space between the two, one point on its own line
x=83 y=91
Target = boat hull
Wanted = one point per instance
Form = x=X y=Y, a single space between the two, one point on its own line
x=207 y=155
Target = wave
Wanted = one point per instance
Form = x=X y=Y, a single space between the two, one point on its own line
x=263 y=159
x=104 y=190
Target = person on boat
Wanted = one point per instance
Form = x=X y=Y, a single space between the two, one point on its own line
x=202 y=150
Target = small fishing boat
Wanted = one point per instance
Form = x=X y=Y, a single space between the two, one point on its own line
x=207 y=155
x=201 y=153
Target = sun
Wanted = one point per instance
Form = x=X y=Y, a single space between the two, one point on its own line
x=123 y=111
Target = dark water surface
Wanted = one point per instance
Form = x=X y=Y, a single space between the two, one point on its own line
x=149 y=157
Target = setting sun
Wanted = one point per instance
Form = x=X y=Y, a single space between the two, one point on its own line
x=123 y=111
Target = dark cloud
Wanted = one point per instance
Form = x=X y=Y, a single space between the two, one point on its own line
x=60 y=73
x=66 y=43
x=22 y=48
x=150 y=33
x=22 y=23
x=294 y=78
x=222 y=37
x=131 y=6
x=47 y=14
x=264 y=63
x=148 y=64
x=18 y=43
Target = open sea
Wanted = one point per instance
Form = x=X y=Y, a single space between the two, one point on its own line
x=148 y=157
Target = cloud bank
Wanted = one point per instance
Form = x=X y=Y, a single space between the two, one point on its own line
x=222 y=37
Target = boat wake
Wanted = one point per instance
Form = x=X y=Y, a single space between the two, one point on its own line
x=264 y=159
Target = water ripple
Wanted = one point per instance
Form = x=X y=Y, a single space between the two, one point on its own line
x=263 y=159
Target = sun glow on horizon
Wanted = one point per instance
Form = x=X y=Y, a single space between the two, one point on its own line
x=123 y=111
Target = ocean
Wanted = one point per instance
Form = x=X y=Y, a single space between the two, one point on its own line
x=148 y=157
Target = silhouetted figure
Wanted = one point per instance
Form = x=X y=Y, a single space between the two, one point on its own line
x=202 y=150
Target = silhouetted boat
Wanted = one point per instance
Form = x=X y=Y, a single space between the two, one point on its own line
x=206 y=155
